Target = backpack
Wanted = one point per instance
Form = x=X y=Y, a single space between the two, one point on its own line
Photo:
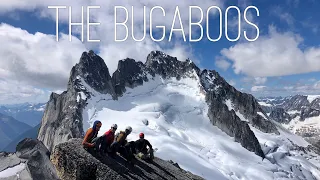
x=116 y=137
x=118 y=134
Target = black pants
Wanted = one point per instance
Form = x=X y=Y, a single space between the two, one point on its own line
x=125 y=150
x=104 y=146
x=96 y=147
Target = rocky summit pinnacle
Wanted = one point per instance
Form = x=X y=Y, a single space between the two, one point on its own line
x=94 y=71
x=63 y=116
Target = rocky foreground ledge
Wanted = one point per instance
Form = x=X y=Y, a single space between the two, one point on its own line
x=69 y=161
x=73 y=162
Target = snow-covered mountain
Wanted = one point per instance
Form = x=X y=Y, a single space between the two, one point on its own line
x=28 y=113
x=300 y=114
x=194 y=117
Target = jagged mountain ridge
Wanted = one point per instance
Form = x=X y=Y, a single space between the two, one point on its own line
x=236 y=114
x=131 y=74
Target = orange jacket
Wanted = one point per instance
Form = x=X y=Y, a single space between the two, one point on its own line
x=90 y=135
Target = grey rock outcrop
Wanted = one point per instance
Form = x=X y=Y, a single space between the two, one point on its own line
x=74 y=163
x=62 y=119
x=34 y=161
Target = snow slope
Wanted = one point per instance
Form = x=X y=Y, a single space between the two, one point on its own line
x=179 y=127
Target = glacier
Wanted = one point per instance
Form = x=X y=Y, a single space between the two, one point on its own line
x=179 y=127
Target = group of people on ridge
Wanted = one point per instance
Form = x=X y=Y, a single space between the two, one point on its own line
x=110 y=143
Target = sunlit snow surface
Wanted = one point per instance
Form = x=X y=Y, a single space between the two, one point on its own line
x=312 y=97
x=12 y=171
x=179 y=127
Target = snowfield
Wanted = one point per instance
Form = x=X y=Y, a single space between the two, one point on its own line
x=173 y=116
x=312 y=97
x=310 y=125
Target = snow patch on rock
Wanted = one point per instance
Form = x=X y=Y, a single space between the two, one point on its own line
x=12 y=171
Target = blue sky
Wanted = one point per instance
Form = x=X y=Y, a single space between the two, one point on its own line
x=285 y=60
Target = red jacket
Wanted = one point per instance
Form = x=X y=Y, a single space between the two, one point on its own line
x=109 y=137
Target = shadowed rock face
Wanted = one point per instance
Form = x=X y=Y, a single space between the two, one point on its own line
x=129 y=74
x=94 y=71
x=230 y=123
x=63 y=116
x=280 y=115
x=73 y=162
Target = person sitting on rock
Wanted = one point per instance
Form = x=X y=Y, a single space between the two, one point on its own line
x=90 y=138
x=120 y=140
x=107 y=139
x=141 y=147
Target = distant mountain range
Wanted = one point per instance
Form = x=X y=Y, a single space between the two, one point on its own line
x=31 y=133
x=30 y=114
x=19 y=121
x=300 y=114
x=10 y=128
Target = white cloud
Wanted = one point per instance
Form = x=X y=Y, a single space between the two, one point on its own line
x=283 y=16
x=306 y=88
x=257 y=88
x=12 y=92
x=222 y=63
x=255 y=80
x=260 y=80
x=311 y=24
x=232 y=83
x=38 y=61
x=33 y=62
x=277 y=54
